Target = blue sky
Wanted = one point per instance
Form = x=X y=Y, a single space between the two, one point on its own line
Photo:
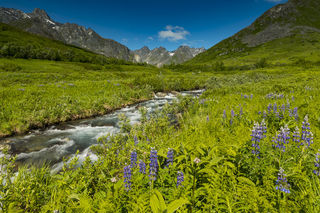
x=154 y=23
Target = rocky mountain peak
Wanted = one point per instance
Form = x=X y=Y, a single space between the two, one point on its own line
x=161 y=56
x=42 y=14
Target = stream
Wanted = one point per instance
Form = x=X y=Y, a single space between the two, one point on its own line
x=64 y=140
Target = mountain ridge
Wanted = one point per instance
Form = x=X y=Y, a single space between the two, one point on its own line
x=161 y=56
x=40 y=23
x=296 y=17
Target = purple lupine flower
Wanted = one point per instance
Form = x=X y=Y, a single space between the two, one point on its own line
x=127 y=177
x=316 y=171
x=180 y=179
x=170 y=157
x=296 y=137
x=282 y=182
x=256 y=135
x=306 y=136
x=288 y=105
x=232 y=116
x=142 y=167
x=241 y=111
x=295 y=113
x=153 y=164
x=207 y=118
x=275 y=108
x=269 y=108
x=136 y=141
x=224 y=114
x=282 y=138
x=251 y=96
x=264 y=114
x=133 y=158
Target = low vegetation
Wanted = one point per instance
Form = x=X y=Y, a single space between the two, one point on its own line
x=37 y=93
x=248 y=144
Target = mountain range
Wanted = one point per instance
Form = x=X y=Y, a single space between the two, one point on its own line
x=38 y=22
x=160 y=56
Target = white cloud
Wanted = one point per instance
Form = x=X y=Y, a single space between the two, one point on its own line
x=173 y=33
x=150 y=38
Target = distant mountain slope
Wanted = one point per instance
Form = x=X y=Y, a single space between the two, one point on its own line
x=38 y=22
x=17 y=43
x=297 y=21
x=160 y=56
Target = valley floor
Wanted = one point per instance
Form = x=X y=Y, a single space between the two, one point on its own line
x=37 y=93
x=249 y=144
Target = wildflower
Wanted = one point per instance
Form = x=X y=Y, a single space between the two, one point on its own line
x=196 y=160
x=127 y=177
x=153 y=164
x=307 y=136
x=282 y=138
x=133 y=158
x=264 y=114
x=256 y=137
x=317 y=164
x=114 y=179
x=136 y=141
x=269 y=108
x=224 y=114
x=295 y=113
x=241 y=111
x=251 y=96
x=275 y=108
x=282 y=182
x=170 y=157
x=207 y=118
x=180 y=179
x=296 y=136
x=232 y=115
x=142 y=167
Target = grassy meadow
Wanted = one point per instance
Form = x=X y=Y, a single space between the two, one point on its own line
x=37 y=93
x=248 y=144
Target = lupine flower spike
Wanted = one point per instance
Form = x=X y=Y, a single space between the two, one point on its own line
x=282 y=182
x=307 y=136
x=170 y=157
x=136 y=141
x=282 y=138
x=142 y=167
x=153 y=164
x=180 y=179
x=316 y=171
x=127 y=177
x=256 y=137
x=133 y=159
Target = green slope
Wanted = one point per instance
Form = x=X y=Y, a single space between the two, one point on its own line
x=288 y=33
x=20 y=44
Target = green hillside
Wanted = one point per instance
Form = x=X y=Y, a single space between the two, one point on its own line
x=285 y=51
x=286 y=34
x=16 y=43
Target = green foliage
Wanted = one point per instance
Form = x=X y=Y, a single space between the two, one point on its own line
x=213 y=150
x=38 y=93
